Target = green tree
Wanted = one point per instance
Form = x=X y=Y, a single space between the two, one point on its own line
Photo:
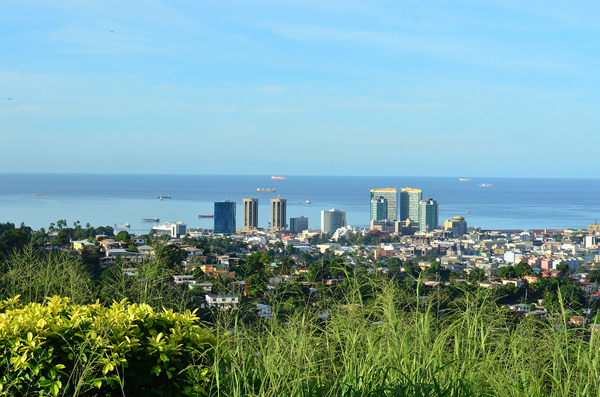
x=257 y=284
x=265 y=259
x=563 y=267
x=339 y=268
x=168 y=255
x=573 y=296
x=6 y=226
x=316 y=272
x=63 y=237
x=580 y=269
x=291 y=250
x=123 y=236
x=507 y=272
x=523 y=269
x=14 y=239
x=551 y=302
x=477 y=274
x=593 y=276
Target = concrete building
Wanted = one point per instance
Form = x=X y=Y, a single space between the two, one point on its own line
x=409 y=204
x=173 y=229
x=388 y=206
x=428 y=215
x=224 y=217
x=298 y=225
x=250 y=213
x=332 y=220
x=458 y=225
x=222 y=301
x=278 y=214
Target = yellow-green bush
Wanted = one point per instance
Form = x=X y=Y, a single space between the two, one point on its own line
x=125 y=349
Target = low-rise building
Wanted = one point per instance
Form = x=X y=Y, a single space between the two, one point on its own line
x=516 y=281
x=222 y=301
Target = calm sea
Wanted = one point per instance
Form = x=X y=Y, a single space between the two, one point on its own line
x=512 y=203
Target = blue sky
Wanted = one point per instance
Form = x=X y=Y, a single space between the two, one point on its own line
x=428 y=88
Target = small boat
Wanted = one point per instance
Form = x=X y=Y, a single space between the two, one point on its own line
x=265 y=190
x=486 y=185
x=162 y=197
x=150 y=220
x=278 y=177
x=304 y=202
x=125 y=225
x=35 y=194
x=206 y=216
x=464 y=180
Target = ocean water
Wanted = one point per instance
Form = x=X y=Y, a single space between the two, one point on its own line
x=103 y=199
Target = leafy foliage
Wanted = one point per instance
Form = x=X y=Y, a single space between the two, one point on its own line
x=59 y=348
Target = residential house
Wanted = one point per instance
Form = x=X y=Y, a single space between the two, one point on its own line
x=215 y=269
x=552 y=273
x=82 y=244
x=486 y=284
x=516 y=281
x=222 y=301
x=265 y=311
x=146 y=250
x=578 y=320
x=520 y=308
x=184 y=279
x=531 y=279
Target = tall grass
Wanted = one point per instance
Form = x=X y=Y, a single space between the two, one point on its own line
x=398 y=345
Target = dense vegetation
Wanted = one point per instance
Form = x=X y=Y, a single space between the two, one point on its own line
x=372 y=335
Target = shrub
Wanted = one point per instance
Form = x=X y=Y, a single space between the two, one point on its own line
x=125 y=349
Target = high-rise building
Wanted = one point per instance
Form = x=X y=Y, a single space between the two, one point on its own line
x=391 y=197
x=224 y=217
x=332 y=220
x=409 y=204
x=278 y=214
x=250 y=213
x=298 y=225
x=379 y=209
x=429 y=215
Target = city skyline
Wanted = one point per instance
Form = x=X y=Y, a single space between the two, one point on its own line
x=486 y=88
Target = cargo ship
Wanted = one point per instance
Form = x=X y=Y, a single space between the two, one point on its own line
x=265 y=190
x=304 y=202
x=486 y=185
x=35 y=194
x=162 y=197
x=150 y=220
x=464 y=180
x=125 y=225
x=278 y=177
x=206 y=216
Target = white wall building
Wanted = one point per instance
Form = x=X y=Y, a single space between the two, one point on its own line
x=222 y=301
x=332 y=220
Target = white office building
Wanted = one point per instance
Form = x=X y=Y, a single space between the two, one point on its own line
x=332 y=220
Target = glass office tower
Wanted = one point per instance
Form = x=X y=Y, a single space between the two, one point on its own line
x=224 y=217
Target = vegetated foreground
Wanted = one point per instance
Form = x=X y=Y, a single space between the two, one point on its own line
x=374 y=337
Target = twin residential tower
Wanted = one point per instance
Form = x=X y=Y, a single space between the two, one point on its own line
x=225 y=216
x=403 y=211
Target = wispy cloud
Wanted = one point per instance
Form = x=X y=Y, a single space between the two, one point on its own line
x=277 y=110
x=272 y=89
x=457 y=50
x=100 y=40
x=217 y=108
